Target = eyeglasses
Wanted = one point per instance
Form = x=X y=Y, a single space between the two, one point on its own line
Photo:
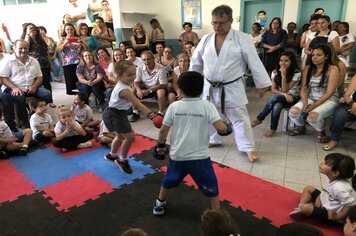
x=215 y=23
x=147 y=59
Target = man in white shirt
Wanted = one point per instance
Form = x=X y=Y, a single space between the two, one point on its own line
x=151 y=81
x=222 y=56
x=78 y=12
x=22 y=76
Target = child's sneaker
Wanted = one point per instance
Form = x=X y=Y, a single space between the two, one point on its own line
x=85 y=145
x=124 y=166
x=3 y=155
x=110 y=157
x=297 y=213
x=158 y=207
x=23 y=151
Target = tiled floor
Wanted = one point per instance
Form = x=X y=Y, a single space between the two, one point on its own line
x=291 y=162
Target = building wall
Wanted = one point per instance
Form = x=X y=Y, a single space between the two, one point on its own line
x=128 y=12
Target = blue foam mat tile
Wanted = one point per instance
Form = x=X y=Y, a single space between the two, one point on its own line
x=44 y=167
x=109 y=171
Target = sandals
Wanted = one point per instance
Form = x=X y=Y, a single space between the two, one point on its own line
x=255 y=123
x=269 y=133
x=298 y=131
x=329 y=147
x=321 y=137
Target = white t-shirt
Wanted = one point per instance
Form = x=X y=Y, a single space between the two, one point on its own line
x=330 y=37
x=189 y=120
x=60 y=128
x=348 y=38
x=157 y=77
x=103 y=129
x=5 y=131
x=295 y=89
x=138 y=62
x=22 y=75
x=82 y=114
x=37 y=120
x=116 y=101
x=337 y=195
x=76 y=11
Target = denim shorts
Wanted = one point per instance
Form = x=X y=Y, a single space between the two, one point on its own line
x=200 y=170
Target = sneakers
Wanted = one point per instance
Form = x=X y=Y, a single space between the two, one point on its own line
x=23 y=151
x=158 y=207
x=135 y=117
x=297 y=213
x=85 y=145
x=3 y=155
x=109 y=157
x=124 y=166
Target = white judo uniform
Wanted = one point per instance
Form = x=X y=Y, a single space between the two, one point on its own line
x=237 y=52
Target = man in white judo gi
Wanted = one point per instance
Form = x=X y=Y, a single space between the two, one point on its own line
x=223 y=56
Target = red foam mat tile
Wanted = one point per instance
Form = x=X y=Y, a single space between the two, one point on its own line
x=141 y=144
x=74 y=192
x=12 y=183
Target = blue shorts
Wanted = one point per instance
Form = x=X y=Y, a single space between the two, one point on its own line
x=200 y=170
x=19 y=135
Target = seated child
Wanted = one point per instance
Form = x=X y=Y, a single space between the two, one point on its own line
x=69 y=134
x=333 y=203
x=41 y=122
x=218 y=222
x=350 y=225
x=105 y=137
x=189 y=120
x=13 y=143
x=83 y=112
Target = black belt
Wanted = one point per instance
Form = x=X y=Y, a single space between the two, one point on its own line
x=215 y=84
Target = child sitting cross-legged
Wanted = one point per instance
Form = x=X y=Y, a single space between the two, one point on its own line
x=69 y=134
x=41 y=122
x=13 y=143
x=333 y=203
x=105 y=137
x=83 y=112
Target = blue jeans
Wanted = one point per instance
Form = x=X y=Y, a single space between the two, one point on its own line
x=20 y=103
x=274 y=106
x=340 y=118
x=8 y=110
x=98 y=90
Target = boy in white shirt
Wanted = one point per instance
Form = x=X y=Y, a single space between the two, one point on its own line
x=41 y=123
x=189 y=120
x=83 y=112
x=13 y=143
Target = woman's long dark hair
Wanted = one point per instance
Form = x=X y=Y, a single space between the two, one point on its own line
x=38 y=38
x=291 y=70
x=279 y=22
x=312 y=68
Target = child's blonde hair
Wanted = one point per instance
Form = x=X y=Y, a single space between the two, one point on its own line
x=62 y=110
x=121 y=66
